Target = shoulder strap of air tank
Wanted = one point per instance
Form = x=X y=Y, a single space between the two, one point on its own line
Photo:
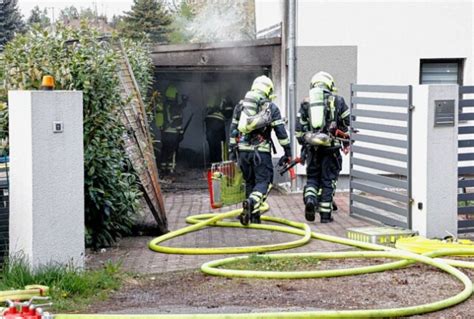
x=332 y=107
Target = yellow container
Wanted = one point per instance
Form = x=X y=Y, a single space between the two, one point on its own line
x=382 y=235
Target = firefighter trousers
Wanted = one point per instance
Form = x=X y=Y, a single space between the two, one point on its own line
x=257 y=169
x=170 y=144
x=215 y=135
x=323 y=167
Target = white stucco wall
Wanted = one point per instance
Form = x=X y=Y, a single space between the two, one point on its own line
x=391 y=36
x=268 y=13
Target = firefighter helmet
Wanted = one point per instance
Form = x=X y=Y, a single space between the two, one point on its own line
x=323 y=79
x=264 y=85
x=171 y=92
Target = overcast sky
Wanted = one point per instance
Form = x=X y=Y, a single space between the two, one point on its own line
x=108 y=7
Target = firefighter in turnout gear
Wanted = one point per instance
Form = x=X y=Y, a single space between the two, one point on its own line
x=170 y=119
x=321 y=120
x=253 y=120
x=218 y=110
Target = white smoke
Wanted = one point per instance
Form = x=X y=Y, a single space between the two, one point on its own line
x=221 y=21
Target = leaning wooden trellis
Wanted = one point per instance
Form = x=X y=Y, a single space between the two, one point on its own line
x=138 y=140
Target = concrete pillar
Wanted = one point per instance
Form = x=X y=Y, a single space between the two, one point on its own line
x=435 y=160
x=46 y=176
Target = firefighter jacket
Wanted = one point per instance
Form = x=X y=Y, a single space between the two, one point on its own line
x=260 y=139
x=173 y=116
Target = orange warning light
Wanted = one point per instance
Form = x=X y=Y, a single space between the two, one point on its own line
x=48 y=83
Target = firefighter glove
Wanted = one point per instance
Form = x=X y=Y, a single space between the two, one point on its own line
x=284 y=160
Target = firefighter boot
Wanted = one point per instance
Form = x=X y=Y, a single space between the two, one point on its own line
x=310 y=208
x=326 y=218
x=325 y=210
x=255 y=217
x=247 y=209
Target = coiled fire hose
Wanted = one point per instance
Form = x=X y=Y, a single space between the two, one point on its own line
x=404 y=258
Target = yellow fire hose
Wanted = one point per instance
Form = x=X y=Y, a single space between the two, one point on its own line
x=23 y=294
x=27 y=293
x=405 y=258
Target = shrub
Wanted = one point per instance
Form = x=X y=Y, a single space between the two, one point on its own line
x=79 y=60
x=139 y=55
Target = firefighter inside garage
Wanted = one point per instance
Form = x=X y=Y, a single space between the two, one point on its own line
x=192 y=120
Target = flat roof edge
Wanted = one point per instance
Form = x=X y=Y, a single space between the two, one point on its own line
x=214 y=45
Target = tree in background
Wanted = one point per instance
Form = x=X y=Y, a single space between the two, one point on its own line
x=183 y=15
x=39 y=17
x=68 y=14
x=90 y=14
x=71 y=13
x=147 y=17
x=116 y=22
x=10 y=21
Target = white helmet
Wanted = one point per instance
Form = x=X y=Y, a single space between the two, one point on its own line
x=264 y=85
x=323 y=78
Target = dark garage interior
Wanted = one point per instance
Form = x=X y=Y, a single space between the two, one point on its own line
x=199 y=86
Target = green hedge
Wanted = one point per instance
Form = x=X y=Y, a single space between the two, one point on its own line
x=87 y=64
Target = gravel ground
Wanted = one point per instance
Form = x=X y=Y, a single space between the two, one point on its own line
x=194 y=292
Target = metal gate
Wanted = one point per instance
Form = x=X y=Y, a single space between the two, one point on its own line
x=4 y=208
x=466 y=160
x=380 y=169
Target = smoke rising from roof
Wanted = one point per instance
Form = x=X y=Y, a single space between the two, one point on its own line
x=222 y=21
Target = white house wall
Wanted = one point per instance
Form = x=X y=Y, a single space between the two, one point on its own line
x=390 y=38
x=268 y=13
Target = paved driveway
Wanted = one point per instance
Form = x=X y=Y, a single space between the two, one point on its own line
x=136 y=257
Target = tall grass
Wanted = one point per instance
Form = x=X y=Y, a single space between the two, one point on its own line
x=70 y=287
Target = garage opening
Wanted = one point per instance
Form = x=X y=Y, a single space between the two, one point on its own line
x=202 y=76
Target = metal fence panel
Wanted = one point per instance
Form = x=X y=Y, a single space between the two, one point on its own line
x=466 y=130
x=379 y=101
x=384 y=197
x=463 y=183
x=465 y=161
x=380 y=140
x=380 y=166
x=379 y=153
x=381 y=128
x=465 y=226
x=377 y=191
x=380 y=88
x=4 y=211
x=380 y=115
x=367 y=214
x=466 y=116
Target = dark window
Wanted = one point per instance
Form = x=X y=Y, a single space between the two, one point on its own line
x=441 y=71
